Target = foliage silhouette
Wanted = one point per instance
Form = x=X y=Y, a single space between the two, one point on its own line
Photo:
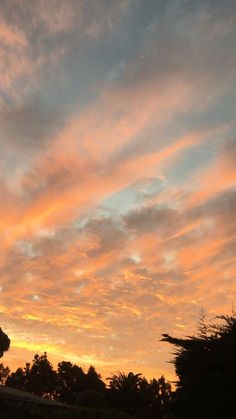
x=4 y=372
x=16 y=379
x=38 y=378
x=129 y=393
x=135 y=395
x=73 y=381
x=4 y=342
x=206 y=367
x=70 y=378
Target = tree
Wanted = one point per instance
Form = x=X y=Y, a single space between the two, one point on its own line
x=4 y=373
x=135 y=395
x=124 y=391
x=4 y=342
x=94 y=381
x=72 y=382
x=38 y=378
x=16 y=379
x=206 y=367
x=41 y=378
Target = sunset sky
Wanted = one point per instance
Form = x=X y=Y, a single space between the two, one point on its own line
x=117 y=177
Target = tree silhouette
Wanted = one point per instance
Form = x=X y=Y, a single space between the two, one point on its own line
x=41 y=378
x=131 y=393
x=4 y=342
x=206 y=367
x=93 y=380
x=72 y=382
x=38 y=378
x=16 y=379
x=4 y=373
x=124 y=391
x=135 y=395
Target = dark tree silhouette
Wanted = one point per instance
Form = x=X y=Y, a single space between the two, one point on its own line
x=16 y=379
x=4 y=373
x=38 y=378
x=93 y=380
x=124 y=391
x=41 y=378
x=72 y=382
x=135 y=395
x=4 y=342
x=131 y=393
x=206 y=367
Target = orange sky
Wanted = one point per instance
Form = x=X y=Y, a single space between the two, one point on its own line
x=117 y=177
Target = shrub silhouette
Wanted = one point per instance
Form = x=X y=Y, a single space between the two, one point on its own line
x=206 y=367
x=4 y=342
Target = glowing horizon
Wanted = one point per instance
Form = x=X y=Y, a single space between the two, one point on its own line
x=117 y=177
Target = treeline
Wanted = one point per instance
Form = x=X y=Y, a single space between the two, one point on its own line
x=131 y=392
x=205 y=365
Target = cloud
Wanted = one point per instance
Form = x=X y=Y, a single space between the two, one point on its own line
x=28 y=126
x=217 y=177
x=187 y=41
x=153 y=219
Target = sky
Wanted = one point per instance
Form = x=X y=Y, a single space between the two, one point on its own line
x=117 y=177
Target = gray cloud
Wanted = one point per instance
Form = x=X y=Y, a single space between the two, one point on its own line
x=222 y=206
x=153 y=219
x=108 y=233
x=192 y=39
x=29 y=126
